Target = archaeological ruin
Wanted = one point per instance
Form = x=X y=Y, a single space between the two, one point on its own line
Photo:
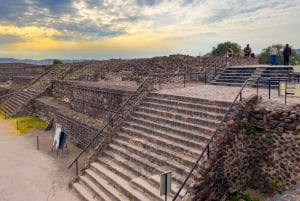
x=218 y=126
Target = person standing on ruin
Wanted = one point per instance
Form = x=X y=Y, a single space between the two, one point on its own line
x=273 y=55
x=247 y=51
x=287 y=52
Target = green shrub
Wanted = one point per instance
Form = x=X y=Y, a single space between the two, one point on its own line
x=245 y=197
x=250 y=128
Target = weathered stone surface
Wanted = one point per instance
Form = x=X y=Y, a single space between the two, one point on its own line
x=266 y=160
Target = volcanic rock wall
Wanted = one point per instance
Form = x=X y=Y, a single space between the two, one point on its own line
x=258 y=147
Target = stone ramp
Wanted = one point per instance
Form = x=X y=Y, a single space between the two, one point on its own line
x=164 y=133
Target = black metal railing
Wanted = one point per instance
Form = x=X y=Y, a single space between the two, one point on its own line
x=206 y=149
x=239 y=95
x=110 y=122
x=184 y=76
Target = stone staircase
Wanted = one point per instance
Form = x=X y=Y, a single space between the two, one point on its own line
x=18 y=101
x=236 y=76
x=165 y=133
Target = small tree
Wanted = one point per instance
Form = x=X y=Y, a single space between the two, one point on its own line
x=221 y=49
x=57 y=61
x=264 y=56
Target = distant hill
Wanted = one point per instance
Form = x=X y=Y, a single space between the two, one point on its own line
x=36 y=62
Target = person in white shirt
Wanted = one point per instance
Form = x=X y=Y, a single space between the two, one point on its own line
x=273 y=55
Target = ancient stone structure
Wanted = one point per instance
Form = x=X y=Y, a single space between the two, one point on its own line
x=97 y=100
x=20 y=73
x=258 y=147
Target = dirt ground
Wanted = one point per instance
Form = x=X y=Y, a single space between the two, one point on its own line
x=28 y=174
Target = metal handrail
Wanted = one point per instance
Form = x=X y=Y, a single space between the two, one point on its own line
x=110 y=121
x=182 y=74
x=222 y=121
x=211 y=139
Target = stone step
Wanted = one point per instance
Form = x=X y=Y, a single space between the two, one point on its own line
x=180 y=110
x=142 y=184
x=184 y=107
x=187 y=131
x=160 y=136
x=233 y=77
x=7 y=109
x=136 y=179
x=120 y=183
x=179 y=114
x=226 y=83
x=190 y=102
x=83 y=193
x=238 y=71
x=97 y=192
x=196 y=124
x=164 y=148
x=173 y=165
x=17 y=101
x=138 y=165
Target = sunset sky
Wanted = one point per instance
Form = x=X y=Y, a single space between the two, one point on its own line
x=103 y=29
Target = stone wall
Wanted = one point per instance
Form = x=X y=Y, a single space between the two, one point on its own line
x=79 y=132
x=137 y=69
x=22 y=80
x=258 y=147
x=92 y=100
x=3 y=91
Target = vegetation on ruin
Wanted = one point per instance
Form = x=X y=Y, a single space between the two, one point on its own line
x=221 y=48
x=25 y=124
x=264 y=57
x=274 y=186
x=250 y=128
x=239 y=197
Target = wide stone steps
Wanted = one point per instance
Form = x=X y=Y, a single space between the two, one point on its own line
x=177 y=120
x=164 y=133
x=17 y=102
x=131 y=171
x=236 y=76
x=143 y=165
x=117 y=182
x=180 y=114
x=163 y=148
x=160 y=136
x=191 y=131
x=184 y=108
x=189 y=102
x=151 y=156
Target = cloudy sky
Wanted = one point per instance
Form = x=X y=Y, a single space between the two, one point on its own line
x=99 y=29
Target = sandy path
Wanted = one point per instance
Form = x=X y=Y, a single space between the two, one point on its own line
x=28 y=174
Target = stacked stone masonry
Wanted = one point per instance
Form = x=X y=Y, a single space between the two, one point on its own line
x=96 y=101
x=258 y=147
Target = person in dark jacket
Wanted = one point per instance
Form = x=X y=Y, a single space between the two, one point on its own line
x=287 y=52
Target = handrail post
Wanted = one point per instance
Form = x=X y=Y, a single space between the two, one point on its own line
x=76 y=167
x=269 y=89
x=257 y=86
x=208 y=151
x=285 y=92
x=205 y=77
x=240 y=95
x=184 y=80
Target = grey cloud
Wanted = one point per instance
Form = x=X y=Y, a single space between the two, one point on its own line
x=148 y=2
x=6 y=39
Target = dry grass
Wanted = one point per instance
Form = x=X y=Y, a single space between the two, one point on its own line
x=24 y=124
